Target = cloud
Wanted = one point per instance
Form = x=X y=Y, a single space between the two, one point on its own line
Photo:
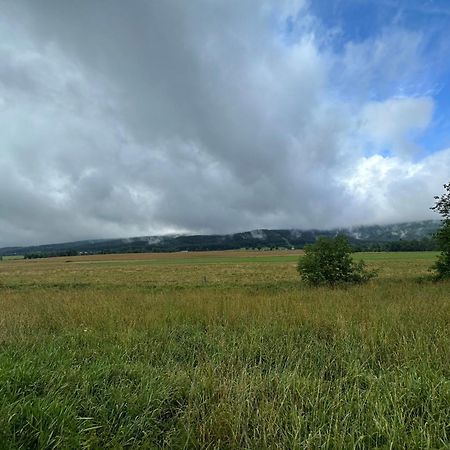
x=393 y=122
x=392 y=188
x=156 y=117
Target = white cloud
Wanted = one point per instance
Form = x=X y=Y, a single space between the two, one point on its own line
x=391 y=189
x=391 y=123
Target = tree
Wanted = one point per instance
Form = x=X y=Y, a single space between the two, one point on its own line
x=442 y=206
x=329 y=262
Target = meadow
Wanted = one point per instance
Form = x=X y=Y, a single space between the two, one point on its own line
x=221 y=350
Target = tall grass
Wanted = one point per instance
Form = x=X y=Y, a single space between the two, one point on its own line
x=115 y=358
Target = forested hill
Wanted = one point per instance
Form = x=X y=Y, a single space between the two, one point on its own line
x=403 y=236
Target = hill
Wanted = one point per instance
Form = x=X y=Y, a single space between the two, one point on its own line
x=403 y=236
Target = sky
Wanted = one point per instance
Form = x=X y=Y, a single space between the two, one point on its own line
x=150 y=117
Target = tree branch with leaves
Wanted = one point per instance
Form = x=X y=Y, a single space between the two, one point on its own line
x=442 y=207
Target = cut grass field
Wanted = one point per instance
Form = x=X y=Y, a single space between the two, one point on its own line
x=221 y=350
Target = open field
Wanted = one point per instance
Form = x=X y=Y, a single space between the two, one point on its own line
x=10 y=258
x=221 y=350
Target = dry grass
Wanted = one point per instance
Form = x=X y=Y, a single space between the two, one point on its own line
x=103 y=352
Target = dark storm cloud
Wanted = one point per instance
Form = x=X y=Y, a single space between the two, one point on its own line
x=146 y=117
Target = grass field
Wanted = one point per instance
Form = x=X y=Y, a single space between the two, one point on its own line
x=221 y=350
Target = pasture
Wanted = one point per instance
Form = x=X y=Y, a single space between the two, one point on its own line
x=221 y=350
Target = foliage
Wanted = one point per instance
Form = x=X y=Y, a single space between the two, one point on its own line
x=69 y=252
x=442 y=206
x=329 y=262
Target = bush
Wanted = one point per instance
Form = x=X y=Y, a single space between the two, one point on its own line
x=442 y=206
x=329 y=262
x=442 y=265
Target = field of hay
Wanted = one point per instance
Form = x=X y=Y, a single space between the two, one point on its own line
x=221 y=350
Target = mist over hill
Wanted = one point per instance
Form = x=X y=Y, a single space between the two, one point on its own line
x=402 y=236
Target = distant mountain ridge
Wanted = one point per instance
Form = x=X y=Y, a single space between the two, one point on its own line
x=362 y=237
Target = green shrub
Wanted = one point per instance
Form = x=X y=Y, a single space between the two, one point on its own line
x=442 y=265
x=442 y=206
x=329 y=262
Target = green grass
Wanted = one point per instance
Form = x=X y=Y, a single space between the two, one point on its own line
x=229 y=355
x=397 y=256
x=205 y=260
x=375 y=256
